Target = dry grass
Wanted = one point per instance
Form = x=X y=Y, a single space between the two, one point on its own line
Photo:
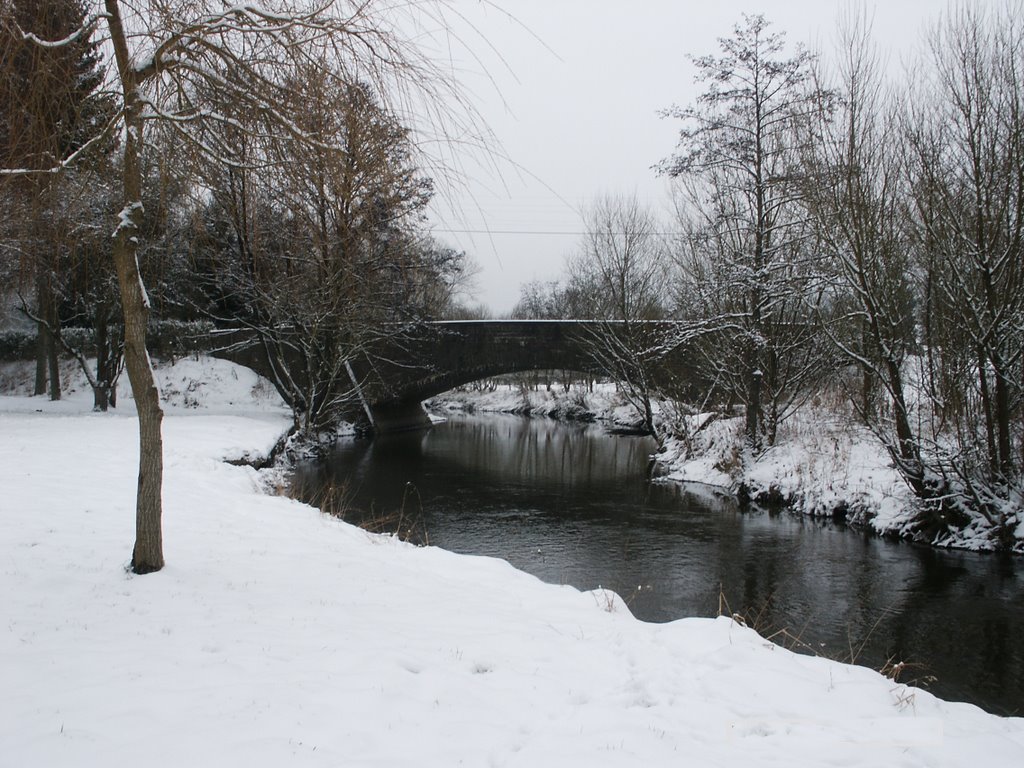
x=337 y=499
x=760 y=621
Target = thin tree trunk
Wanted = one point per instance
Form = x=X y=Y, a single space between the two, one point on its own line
x=147 y=555
x=1003 y=417
x=41 y=358
x=867 y=388
x=754 y=376
x=46 y=352
x=101 y=392
x=52 y=357
x=986 y=405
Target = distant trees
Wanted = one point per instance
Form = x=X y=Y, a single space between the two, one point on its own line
x=746 y=255
x=542 y=300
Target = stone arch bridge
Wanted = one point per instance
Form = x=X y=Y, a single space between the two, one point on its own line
x=395 y=376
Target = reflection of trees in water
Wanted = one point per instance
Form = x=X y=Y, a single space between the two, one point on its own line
x=541 y=452
x=957 y=616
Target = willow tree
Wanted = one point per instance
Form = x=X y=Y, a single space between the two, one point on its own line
x=317 y=255
x=184 y=67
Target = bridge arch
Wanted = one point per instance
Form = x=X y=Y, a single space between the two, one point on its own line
x=396 y=378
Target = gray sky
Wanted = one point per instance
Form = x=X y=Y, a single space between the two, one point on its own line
x=580 y=84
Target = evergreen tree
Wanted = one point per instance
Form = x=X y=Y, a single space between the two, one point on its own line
x=51 y=103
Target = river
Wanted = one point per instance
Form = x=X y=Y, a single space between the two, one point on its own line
x=571 y=504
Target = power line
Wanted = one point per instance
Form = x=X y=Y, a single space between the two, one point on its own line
x=502 y=232
x=535 y=232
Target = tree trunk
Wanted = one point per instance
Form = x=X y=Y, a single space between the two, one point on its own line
x=986 y=408
x=102 y=395
x=1002 y=416
x=104 y=372
x=41 y=358
x=147 y=555
x=909 y=453
x=52 y=358
x=754 y=380
x=47 y=360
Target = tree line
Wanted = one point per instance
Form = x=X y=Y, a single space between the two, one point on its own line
x=837 y=227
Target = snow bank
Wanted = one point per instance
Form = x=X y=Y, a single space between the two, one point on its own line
x=277 y=635
x=603 y=402
x=819 y=466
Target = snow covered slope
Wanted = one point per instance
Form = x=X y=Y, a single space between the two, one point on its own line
x=278 y=636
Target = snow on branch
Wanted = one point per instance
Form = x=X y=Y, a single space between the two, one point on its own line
x=126 y=218
x=83 y=32
x=99 y=139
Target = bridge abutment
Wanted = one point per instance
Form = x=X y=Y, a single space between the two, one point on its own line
x=399 y=417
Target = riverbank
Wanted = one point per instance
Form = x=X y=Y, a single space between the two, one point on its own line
x=278 y=635
x=822 y=465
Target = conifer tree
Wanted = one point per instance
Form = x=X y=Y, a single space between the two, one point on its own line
x=50 y=104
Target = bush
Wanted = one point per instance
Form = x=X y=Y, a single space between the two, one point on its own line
x=17 y=345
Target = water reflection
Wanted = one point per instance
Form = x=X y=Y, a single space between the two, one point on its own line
x=572 y=505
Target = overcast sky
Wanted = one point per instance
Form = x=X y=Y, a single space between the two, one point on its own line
x=580 y=87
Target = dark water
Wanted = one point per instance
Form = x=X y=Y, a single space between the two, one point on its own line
x=572 y=505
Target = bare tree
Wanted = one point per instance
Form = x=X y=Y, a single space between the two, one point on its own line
x=187 y=68
x=855 y=191
x=619 y=275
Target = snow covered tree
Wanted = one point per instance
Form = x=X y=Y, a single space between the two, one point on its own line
x=746 y=253
x=855 y=191
x=967 y=154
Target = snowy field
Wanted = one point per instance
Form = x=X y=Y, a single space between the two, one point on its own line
x=278 y=636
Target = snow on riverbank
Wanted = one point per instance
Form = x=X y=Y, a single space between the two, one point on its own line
x=279 y=636
x=602 y=402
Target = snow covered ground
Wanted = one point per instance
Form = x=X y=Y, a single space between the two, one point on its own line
x=279 y=636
